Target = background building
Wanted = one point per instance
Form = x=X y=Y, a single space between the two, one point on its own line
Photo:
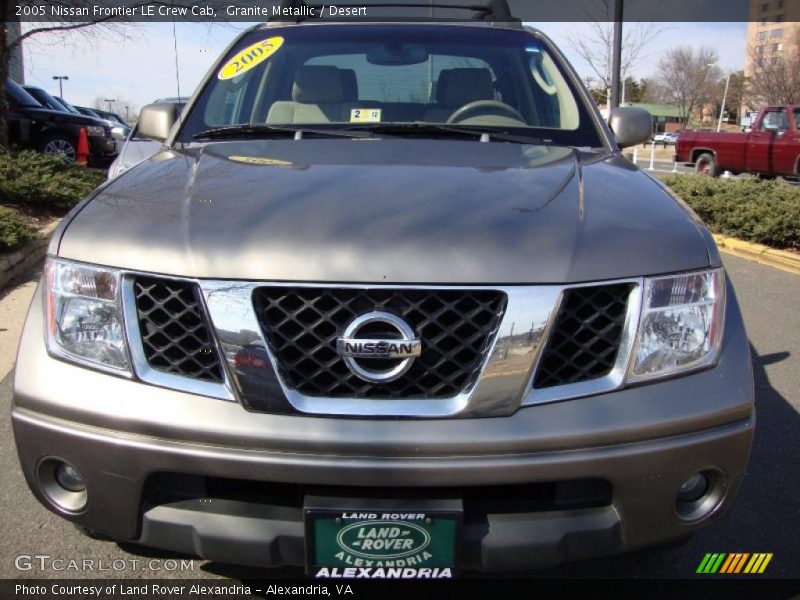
x=666 y=117
x=773 y=35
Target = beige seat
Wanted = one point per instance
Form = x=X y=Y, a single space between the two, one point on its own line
x=317 y=97
x=457 y=87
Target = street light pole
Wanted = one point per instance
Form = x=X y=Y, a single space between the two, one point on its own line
x=616 y=56
x=109 y=101
x=61 y=79
x=724 y=98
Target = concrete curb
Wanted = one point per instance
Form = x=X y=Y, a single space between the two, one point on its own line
x=15 y=264
x=780 y=259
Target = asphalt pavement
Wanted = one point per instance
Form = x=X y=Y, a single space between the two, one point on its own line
x=766 y=517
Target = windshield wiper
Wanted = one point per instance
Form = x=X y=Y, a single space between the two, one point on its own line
x=261 y=130
x=368 y=130
x=419 y=127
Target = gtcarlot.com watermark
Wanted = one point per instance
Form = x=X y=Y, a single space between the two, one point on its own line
x=45 y=562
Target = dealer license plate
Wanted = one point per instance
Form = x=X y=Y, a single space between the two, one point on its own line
x=382 y=543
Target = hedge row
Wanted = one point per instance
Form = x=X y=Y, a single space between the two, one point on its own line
x=14 y=229
x=39 y=180
x=756 y=210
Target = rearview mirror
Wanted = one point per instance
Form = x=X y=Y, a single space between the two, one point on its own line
x=630 y=125
x=156 y=120
x=397 y=55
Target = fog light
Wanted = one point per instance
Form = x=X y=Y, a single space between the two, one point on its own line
x=62 y=484
x=701 y=495
x=68 y=478
x=693 y=488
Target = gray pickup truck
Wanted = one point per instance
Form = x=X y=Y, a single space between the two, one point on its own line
x=390 y=302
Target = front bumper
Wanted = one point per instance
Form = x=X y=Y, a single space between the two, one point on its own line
x=102 y=150
x=643 y=441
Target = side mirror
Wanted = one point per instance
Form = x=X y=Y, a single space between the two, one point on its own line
x=630 y=125
x=156 y=120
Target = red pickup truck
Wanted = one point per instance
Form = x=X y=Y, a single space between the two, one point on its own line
x=772 y=148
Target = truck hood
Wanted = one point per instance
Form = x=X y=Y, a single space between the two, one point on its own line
x=386 y=211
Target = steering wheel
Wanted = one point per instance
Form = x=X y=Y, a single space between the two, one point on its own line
x=464 y=112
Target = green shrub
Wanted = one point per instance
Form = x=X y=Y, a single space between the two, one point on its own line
x=40 y=180
x=766 y=212
x=14 y=229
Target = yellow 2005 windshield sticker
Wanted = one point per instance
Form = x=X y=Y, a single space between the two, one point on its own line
x=250 y=57
x=365 y=115
x=258 y=160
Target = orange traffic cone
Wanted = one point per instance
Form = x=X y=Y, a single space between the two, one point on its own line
x=82 y=156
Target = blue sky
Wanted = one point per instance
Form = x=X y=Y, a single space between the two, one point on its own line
x=141 y=68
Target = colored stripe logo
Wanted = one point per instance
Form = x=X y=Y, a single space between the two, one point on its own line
x=734 y=563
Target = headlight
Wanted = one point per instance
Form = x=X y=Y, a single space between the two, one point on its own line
x=84 y=315
x=681 y=324
x=95 y=131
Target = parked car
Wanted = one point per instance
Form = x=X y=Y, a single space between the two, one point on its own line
x=89 y=112
x=336 y=321
x=137 y=148
x=772 y=148
x=666 y=137
x=32 y=125
x=659 y=137
x=119 y=129
x=112 y=116
x=48 y=101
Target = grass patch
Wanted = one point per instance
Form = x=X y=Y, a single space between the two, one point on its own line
x=15 y=229
x=761 y=211
x=35 y=189
x=37 y=180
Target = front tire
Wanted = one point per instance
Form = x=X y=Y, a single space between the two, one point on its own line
x=61 y=146
x=706 y=164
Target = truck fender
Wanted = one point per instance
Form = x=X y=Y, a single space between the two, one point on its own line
x=697 y=151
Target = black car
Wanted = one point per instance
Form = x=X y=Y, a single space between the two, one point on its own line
x=35 y=126
x=111 y=116
x=48 y=101
x=89 y=112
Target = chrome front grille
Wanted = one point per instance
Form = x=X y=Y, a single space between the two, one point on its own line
x=586 y=335
x=272 y=347
x=176 y=337
x=302 y=324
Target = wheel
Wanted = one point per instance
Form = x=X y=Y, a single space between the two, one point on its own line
x=59 y=145
x=706 y=165
x=484 y=106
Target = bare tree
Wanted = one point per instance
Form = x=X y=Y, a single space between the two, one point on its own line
x=774 y=76
x=736 y=95
x=86 y=32
x=82 y=31
x=119 y=104
x=689 y=78
x=595 y=46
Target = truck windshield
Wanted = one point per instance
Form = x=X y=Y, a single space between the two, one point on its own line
x=335 y=76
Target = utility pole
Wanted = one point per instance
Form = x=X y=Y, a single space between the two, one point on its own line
x=616 y=57
x=61 y=79
x=724 y=98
